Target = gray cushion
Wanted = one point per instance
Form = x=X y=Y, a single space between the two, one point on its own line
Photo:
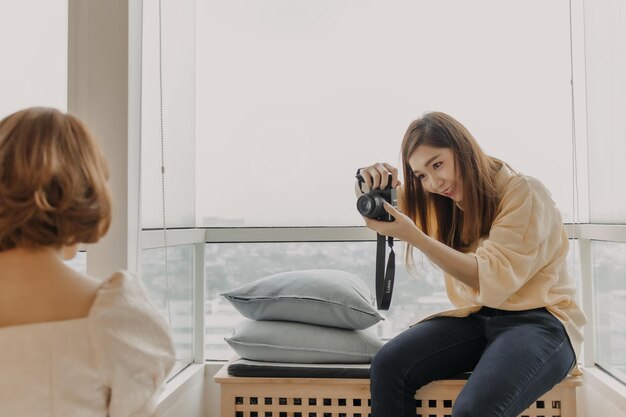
x=326 y=297
x=283 y=341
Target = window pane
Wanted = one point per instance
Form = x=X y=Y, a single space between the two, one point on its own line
x=231 y=265
x=173 y=296
x=294 y=96
x=573 y=267
x=609 y=269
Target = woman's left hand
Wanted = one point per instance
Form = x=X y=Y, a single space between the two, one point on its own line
x=402 y=228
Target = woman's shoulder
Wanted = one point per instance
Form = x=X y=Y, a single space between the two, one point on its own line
x=132 y=342
x=123 y=307
x=119 y=285
x=119 y=279
x=525 y=197
x=519 y=186
x=123 y=296
x=124 y=323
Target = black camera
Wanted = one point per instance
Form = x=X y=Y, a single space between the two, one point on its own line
x=370 y=204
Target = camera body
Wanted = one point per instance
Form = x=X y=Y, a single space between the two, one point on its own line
x=370 y=204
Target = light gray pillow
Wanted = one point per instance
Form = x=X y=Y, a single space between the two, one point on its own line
x=327 y=297
x=283 y=341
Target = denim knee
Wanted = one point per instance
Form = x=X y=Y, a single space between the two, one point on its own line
x=469 y=407
x=385 y=363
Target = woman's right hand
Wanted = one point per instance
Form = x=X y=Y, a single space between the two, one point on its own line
x=377 y=176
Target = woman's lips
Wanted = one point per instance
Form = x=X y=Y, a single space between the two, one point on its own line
x=449 y=191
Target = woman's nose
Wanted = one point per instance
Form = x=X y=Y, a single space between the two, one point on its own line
x=435 y=182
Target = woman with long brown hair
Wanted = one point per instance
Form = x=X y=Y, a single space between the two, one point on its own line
x=500 y=241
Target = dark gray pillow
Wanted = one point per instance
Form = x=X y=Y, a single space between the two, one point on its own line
x=283 y=341
x=327 y=297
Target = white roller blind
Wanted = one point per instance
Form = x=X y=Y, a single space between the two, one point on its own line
x=175 y=58
x=605 y=48
x=293 y=96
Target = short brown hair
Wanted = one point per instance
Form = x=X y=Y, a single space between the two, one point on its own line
x=53 y=181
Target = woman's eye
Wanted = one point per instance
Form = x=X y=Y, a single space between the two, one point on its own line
x=437 y=165
x=421 y=177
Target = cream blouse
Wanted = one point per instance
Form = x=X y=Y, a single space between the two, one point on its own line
x=522 y=262
x=111 y=363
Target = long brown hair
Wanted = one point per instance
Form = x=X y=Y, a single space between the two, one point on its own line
x=439 y=216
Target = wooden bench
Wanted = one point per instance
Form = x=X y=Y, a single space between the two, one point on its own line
x=341 y=397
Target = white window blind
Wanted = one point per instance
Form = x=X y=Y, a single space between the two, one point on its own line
x=605 y=48
x=293 y=96
x=168 y=77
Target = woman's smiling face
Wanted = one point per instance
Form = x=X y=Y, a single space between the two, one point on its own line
x=435 y=168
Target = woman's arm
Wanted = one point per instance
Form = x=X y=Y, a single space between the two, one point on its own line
x=461 y=266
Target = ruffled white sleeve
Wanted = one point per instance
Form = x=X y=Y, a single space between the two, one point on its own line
x=132 y=344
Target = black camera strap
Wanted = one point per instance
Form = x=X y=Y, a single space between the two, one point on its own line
x=384 y=277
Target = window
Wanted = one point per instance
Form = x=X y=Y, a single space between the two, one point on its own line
x=293 y=97
x=173 y=296
x=230 y=265
x=175 y=56
x=167 y=139
x=609 y=268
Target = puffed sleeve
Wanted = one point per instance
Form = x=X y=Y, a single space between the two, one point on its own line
x=520 y=243
x=132 y=344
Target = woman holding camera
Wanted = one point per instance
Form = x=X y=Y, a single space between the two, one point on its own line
x=500 y=241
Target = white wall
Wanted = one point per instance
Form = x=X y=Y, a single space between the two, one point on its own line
x=186 y=395
x=600 y=395
x=33 y=40
x=103 y=90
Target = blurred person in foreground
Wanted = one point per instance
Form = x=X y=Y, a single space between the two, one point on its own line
x=71 y=345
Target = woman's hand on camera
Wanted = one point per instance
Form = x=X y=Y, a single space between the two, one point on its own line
x=402 y=228
x=377 y=176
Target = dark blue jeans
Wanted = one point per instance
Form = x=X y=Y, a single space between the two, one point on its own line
x=515 y=357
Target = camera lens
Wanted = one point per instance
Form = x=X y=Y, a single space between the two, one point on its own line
x=371 y=206
x=365 y=205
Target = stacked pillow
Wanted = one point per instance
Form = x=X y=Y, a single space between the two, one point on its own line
x=311 y=316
